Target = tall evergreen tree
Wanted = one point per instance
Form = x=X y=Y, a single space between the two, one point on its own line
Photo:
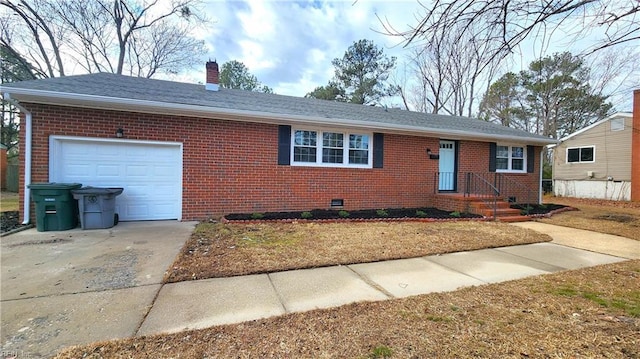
x=235 y=75
x=360 y=76
x=13 y=68
x=552 y=97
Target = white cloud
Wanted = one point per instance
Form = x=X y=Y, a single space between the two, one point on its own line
x=289 y=45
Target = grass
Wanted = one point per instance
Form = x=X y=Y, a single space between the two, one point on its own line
x=592 y=312
x=587 y=313
x=612 y=217
x=220 y=250
x=8 y=201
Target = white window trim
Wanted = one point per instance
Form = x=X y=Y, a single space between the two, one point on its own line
x=319 y=162
x=566 y=157
x=524 y=158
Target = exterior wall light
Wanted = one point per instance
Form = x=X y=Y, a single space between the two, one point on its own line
x=119 y=133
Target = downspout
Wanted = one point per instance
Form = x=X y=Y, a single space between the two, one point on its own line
x=27 y=156
x=540 y=188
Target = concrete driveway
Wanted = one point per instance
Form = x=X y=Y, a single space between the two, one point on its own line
x=74 y=287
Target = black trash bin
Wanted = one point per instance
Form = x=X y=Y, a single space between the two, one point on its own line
x=56 y=208
x=97 y=206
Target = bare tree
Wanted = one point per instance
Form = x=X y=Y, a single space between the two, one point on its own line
x=450 y=71
x=516 y=20
x=615 y=73
x=138 y=38
x=46 y=37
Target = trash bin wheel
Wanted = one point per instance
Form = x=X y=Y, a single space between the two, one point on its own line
x=116 y=219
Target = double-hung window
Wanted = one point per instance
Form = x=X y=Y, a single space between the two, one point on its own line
x=581 y=154
x=510 y=158
x=331 y=148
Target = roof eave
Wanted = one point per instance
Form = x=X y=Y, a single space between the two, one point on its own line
x=156 y=107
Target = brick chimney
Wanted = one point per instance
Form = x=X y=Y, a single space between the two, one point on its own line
x=635 y=148
x=213 y=76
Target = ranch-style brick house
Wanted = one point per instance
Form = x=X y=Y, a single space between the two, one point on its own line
x=188 y=151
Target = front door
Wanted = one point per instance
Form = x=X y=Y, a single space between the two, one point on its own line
x=447 y=166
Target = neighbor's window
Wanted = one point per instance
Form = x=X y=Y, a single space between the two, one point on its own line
x=580 y=154
x=335 y=149
x=617 y=124
x=510 y=158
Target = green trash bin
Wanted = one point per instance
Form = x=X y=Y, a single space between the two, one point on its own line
x=56 y=209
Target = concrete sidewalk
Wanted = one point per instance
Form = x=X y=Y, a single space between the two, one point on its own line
x=204 y=303
x=76 y=287
x=591 y=241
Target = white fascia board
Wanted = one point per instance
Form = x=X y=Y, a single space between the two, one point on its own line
x=134 y=105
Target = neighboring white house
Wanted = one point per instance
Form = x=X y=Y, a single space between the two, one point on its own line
x=595 y=162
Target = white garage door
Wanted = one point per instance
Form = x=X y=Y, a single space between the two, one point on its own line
x=149 y=172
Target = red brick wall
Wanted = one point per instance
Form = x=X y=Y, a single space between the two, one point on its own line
x=473 y=157
x=635 y=148
x=231 y=166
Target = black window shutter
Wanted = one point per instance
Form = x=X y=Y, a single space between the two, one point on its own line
x=492 y=156
x=531 y=158
x=284 y=145
x=378 y=150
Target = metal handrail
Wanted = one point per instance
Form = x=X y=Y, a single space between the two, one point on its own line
x=491 y=186
x=481 y=187
x=507 y=188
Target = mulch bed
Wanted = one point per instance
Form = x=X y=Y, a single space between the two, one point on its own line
x=382 y=214
x=324 y=214
x=9 y=221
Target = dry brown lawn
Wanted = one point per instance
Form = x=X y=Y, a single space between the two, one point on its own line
x=8 y=201
x=220 y=250
x=589 y=313
x=612 y=217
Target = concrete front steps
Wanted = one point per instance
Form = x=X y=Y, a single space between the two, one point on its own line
x=504 y=212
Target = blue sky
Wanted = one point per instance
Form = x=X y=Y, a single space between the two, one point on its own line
x=289 y=45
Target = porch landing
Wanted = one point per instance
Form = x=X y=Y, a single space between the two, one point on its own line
x=480 y=205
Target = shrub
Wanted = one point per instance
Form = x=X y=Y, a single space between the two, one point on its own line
x=455 y=214
x=382 y=213
x=381 y=351
x=343 y=214
x=257 y=215
x=420 y=213
x=306 y=215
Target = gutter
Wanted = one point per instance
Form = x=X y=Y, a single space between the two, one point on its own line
x=27 y=156
x=127 y=104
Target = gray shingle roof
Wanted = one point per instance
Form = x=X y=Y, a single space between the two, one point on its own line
x=106 y=85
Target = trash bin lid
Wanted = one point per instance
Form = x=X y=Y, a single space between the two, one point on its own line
x=54 y=185
x=96 y=191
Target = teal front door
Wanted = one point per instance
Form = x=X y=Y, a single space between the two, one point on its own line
x=447 y=166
